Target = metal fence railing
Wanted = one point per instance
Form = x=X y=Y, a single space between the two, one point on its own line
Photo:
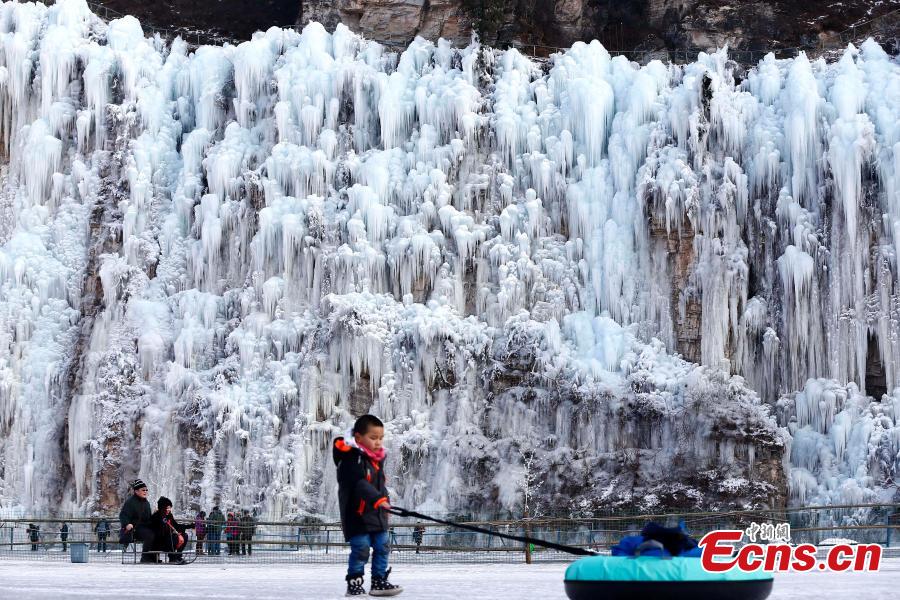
x=271 y=541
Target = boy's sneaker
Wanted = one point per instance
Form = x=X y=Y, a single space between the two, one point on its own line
x=382 y=587
x=355 y=586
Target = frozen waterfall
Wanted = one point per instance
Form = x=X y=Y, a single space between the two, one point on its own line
x=665 y=285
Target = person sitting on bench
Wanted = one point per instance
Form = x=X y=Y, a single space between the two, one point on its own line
x=169 y=534
x=135 y=520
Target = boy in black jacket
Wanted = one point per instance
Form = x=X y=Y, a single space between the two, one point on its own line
x=363 y=498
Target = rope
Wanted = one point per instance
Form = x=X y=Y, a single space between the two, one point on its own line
x=402 y=512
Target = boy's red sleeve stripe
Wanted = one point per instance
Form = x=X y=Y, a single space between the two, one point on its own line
x=380 y=501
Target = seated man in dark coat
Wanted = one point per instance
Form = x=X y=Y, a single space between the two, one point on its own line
x=135 y=520
x=169 y=534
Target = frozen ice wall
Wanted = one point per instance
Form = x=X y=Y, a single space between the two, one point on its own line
x=215 y=258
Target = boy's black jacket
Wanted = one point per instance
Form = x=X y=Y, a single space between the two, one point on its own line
x=361 y=490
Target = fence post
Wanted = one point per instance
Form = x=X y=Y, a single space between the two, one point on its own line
x=327 y=537
x=887 y=522
x=527 y=544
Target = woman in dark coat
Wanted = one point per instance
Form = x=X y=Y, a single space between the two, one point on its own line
x=169 y=534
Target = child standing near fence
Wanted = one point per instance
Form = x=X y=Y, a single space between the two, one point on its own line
x=200 y=530
x=363 y=498
x=231 y=534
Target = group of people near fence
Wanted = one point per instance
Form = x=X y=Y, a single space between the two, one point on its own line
x=238 y=529
x=160 y=533
x=34 y=535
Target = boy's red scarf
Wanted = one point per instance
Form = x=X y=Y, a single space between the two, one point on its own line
x=376 y=455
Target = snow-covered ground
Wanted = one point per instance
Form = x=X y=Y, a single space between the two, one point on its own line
x=22 y=580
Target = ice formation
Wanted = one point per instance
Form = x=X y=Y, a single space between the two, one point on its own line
x=618 y=275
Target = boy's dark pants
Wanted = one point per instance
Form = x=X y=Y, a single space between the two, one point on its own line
x=359 y=554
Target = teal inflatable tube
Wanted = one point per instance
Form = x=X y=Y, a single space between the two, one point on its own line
x=654 y=578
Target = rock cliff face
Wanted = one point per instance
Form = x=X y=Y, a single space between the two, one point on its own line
x=396 y=21
x=620 y=25
x=222 y=18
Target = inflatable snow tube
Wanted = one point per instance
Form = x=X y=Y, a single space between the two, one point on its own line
x=654 y=578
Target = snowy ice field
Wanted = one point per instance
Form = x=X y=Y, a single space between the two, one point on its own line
x=47 y=580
